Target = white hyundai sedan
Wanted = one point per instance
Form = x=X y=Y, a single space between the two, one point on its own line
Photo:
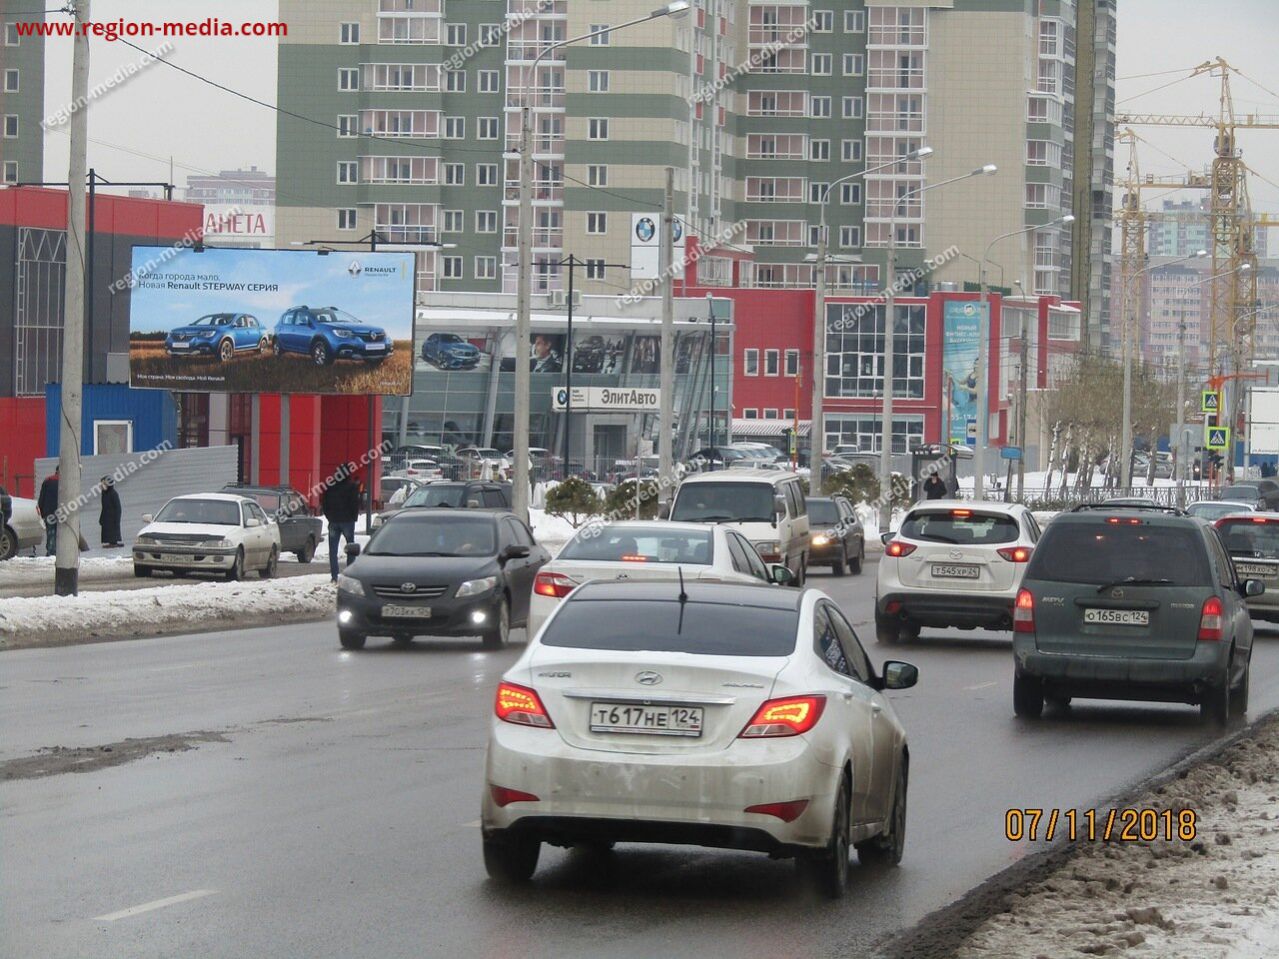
x=635 y=549
x=709 y=714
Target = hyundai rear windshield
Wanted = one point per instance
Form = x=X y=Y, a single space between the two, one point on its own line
x=724 y=503
x=1102 y=553
x=1247 y=539
x=669 y=626
x=961 y=527
x=650 y=544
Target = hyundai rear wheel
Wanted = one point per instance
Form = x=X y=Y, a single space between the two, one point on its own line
x=828 y=870
x=887 y=848
x=510 y=860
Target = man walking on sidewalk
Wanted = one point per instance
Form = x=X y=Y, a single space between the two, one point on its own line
x=341 y=504
x=47 y=507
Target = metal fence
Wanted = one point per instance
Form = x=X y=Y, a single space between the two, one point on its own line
x=1071 y=497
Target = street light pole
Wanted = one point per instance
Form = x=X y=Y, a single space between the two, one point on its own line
x=710 y=310
x=983 y=351
x=524 y=243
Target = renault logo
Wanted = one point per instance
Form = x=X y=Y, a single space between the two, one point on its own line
x=648 y=678
x=408 y=587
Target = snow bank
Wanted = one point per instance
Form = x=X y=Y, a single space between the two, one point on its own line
x=1215 y=896
x=550 y=531
x=22 y=570
x=123 y=612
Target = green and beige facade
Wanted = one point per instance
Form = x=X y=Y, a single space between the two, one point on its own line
x=21 y=96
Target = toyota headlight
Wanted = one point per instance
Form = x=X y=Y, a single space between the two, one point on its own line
x=217 y=544
x=349 y=584
x=768 y=547
x=146 y=540
x=476 y=587
x=820 y=539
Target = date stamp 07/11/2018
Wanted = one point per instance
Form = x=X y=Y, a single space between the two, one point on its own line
x=1100 y=825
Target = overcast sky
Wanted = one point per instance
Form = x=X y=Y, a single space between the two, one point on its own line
x=161 y=113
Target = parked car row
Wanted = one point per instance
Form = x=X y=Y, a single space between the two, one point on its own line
x=322 y=333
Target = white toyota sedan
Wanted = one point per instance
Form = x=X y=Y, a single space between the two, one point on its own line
x=708 y=714
x=634 y=549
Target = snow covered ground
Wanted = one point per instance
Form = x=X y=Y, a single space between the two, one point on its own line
x=1215 y=896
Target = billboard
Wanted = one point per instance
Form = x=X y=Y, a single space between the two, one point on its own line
x=646 y=247
x=271 y=321
x=961 y=326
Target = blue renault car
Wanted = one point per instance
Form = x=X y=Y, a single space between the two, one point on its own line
x=219 y=334
x=325 y=334
x=449 y=351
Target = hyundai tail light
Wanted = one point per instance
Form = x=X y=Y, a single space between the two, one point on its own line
x=790 y=716
x=520 y=705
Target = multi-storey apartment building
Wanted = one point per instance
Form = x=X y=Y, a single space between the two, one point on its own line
x=1180 y=228
x=239 y=207
x=21 y=97
x=758 y=106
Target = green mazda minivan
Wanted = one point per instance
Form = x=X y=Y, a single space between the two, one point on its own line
x=1128 y=603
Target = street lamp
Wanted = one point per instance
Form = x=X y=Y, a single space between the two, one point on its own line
x=983 y=349
x=523 y=290
x=1125 y=440
x=816 y=432
x=890 y=360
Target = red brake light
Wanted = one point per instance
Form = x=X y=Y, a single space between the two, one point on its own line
x=503 y=796
x=520 y=705
x=1259 y=519
x=1131 y=521
x=634 y=558
x=785 y=811
x=790 y=716
x=961 y=512
x=898 y=549
x=1211 y=620
x=1024 y=612
x=1015 y=554
x=555 y=585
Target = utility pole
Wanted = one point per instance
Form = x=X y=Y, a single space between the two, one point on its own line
x=1021 y=412
x=890 y=358
x=710 y=312
x=523 y=306
x=666 y=413
x=66 y=580
x=1182 y=453
x=571 y=262
x=816 y=428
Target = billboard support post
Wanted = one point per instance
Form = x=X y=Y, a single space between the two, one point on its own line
x=286 y=412
x=255 y=439
x=66 y=580
x=368 y=496
x=666 y=372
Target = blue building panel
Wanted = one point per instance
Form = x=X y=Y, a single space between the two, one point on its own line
x=152 y=414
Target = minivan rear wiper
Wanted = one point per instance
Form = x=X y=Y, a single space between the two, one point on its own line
x=936 y=538
x=1133 y=581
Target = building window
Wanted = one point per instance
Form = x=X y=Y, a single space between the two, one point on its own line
x=788 y=414
x=488 y=129
x=346 y=219
x=11 y=78
x=864 y=431
x=595 y=269
x=486 y=268
x=597 y=81
x=348 y=126
x=854 y=108
x=596 y=224
x=348 y=171
x=597 y=128
x=597 y=175
x=455 y=35
x=850 y=237
x=348 y=33
x=490 y=81
x=792 y=363
x=819 y=107
x=455 y=128
x=452 y=267
x=820 y=64
x=455 y=174
x=770 y=414
x=854 y=64
x=822 y=21
x=750 y=362
x=10 y=126
x=850 y=194
x=771 y=360
x=348 y=79
x=819 y=149
x=11 y=38
x=602 y=39
x=490 y=34
x=854 y=21
x=455 y=81
x=486 y=221
x=855 y=352
x=850 y=151
x=817 y=192
x=454 y=221
x=10 y=171
x=750 y=413
x=486 y=174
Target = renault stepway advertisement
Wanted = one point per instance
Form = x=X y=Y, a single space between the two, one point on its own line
x=271 y=321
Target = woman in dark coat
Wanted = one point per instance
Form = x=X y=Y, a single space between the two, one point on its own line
x=109 y=520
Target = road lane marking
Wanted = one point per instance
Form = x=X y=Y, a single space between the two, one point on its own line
x=979 y=686
x=156 y=904
x=474 y=824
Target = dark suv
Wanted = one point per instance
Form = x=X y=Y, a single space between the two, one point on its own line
x=1132 y=604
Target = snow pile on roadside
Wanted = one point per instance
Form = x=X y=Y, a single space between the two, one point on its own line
x=1213 y=897
x=550 y=531
x=34 y=569
x=119 y=612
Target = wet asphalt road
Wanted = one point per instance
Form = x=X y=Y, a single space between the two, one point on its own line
x=340 y=816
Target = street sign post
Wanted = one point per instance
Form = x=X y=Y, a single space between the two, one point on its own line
x=1010 y=452
x=1217 y=437
x=1209 y=401
x=970 y=437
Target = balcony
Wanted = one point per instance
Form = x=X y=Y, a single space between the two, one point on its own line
x=522 y=10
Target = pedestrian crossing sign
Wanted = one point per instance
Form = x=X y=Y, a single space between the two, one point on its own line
x=1217 y=437
x=1209 y=401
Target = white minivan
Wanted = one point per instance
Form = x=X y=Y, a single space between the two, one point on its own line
x=765 y=506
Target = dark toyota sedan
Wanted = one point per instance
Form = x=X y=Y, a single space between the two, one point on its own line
x=439 y=573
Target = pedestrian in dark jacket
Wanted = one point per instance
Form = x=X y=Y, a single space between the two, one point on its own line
x=47 y=507
x=935 y=487
x=341 y=504
x=109 y=519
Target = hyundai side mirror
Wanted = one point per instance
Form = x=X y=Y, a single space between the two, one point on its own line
x=1252 y=587
x=899 y=675
x=352 y=551
x=780 y=574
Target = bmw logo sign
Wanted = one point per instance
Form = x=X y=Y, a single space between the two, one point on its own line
x=561 y=396
x=645 y=229
x=677 y=230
